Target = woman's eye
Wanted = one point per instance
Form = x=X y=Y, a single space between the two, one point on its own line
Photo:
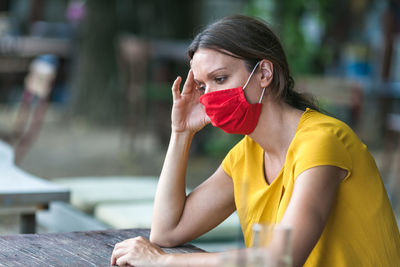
x=220 y=79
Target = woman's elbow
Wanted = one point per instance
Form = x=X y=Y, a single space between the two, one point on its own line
x=162 y=240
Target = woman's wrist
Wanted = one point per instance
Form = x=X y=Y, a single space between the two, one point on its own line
x=167 y=260
x=181 y=139
x=183 y=134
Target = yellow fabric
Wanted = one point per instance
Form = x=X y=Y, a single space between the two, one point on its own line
x=361 y=229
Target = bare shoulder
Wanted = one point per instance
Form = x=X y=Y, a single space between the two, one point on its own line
x=317 y=187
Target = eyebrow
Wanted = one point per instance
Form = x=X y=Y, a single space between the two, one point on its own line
x=210 y=74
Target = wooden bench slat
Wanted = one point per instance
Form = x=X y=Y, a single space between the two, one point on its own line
x=92 y=248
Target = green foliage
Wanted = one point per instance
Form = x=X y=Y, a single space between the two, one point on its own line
x=305 y=56
x=218 y=142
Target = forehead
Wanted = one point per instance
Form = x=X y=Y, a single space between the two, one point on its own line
x=204 y=55
x=206 y=60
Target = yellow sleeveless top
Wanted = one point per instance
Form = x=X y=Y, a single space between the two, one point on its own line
x=361 y=229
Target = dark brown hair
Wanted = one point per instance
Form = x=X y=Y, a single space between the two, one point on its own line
x=252 y=40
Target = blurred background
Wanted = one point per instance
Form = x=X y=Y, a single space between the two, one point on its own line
x=111 y=63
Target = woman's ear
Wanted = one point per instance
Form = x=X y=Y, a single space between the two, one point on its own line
x=267 y=71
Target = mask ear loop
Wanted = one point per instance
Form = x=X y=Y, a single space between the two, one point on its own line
x=251 y=74
x=262 y=95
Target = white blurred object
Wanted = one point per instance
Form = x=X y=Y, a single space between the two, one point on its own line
x=394 y=122
x=42 y=73
x=271 y=245
x=311 y=27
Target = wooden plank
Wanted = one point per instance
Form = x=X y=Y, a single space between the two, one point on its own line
x=43 y=198
x=19 y=209
x=91 y=248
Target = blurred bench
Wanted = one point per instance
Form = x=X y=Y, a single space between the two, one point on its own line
x=88 y=192
x=127 y=202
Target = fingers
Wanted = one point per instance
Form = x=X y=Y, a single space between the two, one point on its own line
x=119 y=250
x=125 y=250
x=190 y=84
x=115 y=254
x=113 y=259
x=188 y=87
x=175 y=88
x=123 y=261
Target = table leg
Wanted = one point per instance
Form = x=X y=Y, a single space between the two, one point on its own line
x=28 y=223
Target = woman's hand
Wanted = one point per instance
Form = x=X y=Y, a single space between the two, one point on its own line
x=137 y=252
x=188 y=113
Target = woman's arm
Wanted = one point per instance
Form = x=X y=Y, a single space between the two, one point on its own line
x=308 y=211
x=170 y=196
x=176 y=217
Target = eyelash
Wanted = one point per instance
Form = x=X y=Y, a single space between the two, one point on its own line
x=220 y=79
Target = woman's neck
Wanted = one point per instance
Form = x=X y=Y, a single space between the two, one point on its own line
x=276 y=128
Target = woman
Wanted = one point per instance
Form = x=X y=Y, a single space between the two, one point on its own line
x=301 y=168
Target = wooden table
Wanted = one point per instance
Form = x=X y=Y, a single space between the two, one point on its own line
x=91 y=248
x=22 y=193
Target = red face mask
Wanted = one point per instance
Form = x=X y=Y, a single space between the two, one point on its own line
x=229 y=110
